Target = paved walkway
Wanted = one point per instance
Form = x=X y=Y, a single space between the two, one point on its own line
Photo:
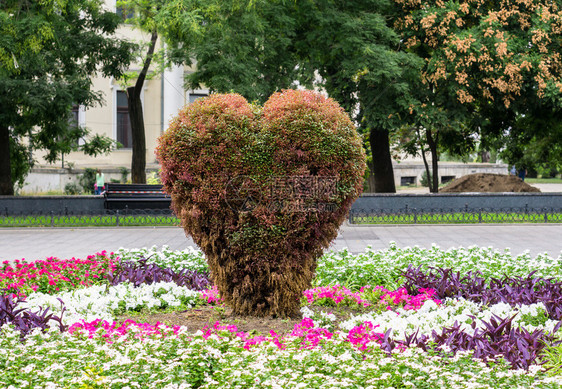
x=38 y=243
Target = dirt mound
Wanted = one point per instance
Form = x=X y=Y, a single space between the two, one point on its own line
x=488 y=182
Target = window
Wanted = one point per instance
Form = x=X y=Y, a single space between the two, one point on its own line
x=195 y=96
x=124 y=13
x=124 y=133
x=445 y=179
x=74 y=121
x=405 y=181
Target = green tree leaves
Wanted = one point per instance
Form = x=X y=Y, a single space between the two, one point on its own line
x=48 y=53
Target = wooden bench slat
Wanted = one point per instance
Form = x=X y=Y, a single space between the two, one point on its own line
x=134 y=196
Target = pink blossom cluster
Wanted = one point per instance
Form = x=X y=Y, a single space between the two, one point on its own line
x=211 y=296
x=217 y=328
x=401 y=298
x=334 y=295
x=311 y=336
x=52 y=274
x=114 y=330
x=304 y=333
x=367 y=296
x=362 y=335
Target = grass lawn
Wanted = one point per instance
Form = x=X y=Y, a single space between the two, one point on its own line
x=460 y=218
x=543 y=180
x=165 y=220
x=88 y=221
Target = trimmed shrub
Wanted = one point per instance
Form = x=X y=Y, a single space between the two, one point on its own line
x=87 y=180
x=71 y=188
x=262 y=191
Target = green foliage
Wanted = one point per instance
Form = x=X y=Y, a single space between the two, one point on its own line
x=48 y=53
x=153 y=178
x=364 y=68
x=72 y=188
x=491 y=69
x=548 y=172
x=262 y=191
x=534 y=143
x=553 y=360
x=424 y=181
x=21 y=163
x=88 y=180
x=98 y=144
x=255 y=63
x=124 y=174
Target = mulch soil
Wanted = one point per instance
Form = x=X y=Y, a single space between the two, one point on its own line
x=487 y=182
x=197 y=318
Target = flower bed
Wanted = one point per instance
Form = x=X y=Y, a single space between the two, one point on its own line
x=388 y=318
x=53 y=275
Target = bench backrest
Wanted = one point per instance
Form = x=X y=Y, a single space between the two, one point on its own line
x=113 y=190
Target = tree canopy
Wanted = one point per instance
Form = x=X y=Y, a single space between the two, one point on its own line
x=49 y=52
x=493 y=65
x=242 y=46
x=352 y=46
x=348 y=48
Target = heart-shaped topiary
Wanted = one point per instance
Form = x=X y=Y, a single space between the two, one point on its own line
x=262 y=191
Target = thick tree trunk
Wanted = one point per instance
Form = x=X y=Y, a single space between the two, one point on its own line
x=138 y=164
x=371 y=178
x=382 y=163
x=6 y=184
x=432 y=143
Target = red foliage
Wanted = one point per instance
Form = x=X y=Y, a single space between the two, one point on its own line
x=262 y=191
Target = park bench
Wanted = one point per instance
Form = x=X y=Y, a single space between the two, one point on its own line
x=135 y=197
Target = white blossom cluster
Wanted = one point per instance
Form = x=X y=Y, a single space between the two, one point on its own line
x=54 y=360
x=101 y=301
x=380 y=267
x=432 y=317
x=384 y=267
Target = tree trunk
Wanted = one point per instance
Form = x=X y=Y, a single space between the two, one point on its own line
x=382 y=163
x=138 y=164
x=6 y=184
x=432 y=143
x=425 y=164
x=371 y=178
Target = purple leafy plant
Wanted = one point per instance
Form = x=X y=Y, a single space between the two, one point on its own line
x=142 y=272
x=510 y=290
x=23 y=319
x=498 y=338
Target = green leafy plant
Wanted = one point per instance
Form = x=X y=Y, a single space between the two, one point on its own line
x=124 y=174
x=153 y=178
x=424 y=181
x=87 y=180
x=72 y=188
